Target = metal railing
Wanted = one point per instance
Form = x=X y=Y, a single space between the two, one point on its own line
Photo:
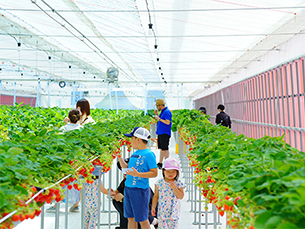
x=209 y=217
x=110 y=180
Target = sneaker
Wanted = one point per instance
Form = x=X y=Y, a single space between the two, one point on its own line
x=51 y=209
x=159 y=165
x=74 y=209
x=155 y=223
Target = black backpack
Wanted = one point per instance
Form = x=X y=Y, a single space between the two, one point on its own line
x=225 y=120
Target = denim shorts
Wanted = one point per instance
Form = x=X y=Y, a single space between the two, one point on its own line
x=136 y=202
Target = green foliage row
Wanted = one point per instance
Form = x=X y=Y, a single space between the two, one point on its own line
x=267 y=173
x=38 y=154
x=20 y=120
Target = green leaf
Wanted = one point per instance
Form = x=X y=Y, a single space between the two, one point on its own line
x=259 y=212
x=287 y=225
x=271 y=197
x=273 y=222
x=250 y=185
x=20 y=176
x=43 y=132
x=237 y=188
x=2 y=200
x=301 y=191
x=15 y=150
x=262 y=186
x=2 y=162
x=65 y=167
x=285 y=168
x=240 y=203
x=282 y=155
x=261 y=220
x=23 y=190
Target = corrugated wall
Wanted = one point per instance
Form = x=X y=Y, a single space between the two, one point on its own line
x=9 y=100
x=271 y=103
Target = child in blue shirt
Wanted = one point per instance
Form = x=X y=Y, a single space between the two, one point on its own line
x=142 y=166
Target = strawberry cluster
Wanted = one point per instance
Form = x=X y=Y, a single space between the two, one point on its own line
x=212 y=191
x=29 y=211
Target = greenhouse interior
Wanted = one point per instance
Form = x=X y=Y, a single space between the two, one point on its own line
x=216 y=89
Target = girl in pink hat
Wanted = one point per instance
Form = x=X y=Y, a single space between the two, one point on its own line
x=168 y=193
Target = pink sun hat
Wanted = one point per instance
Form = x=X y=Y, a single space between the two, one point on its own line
x=171 y=163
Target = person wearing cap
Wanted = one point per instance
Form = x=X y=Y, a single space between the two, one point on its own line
x=223 y=118
x=142 y=165
x=168 y=194
x=118 y=203
x=163 y=129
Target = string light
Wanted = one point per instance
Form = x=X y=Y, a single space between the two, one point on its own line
x=152 y=32
x=150 y=29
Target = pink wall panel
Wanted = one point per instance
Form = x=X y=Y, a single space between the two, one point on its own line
x=275 y=97
x=9 y=100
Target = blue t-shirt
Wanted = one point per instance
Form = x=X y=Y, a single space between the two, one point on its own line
x=162 y=128
x=143 y=161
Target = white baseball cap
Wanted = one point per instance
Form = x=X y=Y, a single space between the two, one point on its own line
x=139 y=132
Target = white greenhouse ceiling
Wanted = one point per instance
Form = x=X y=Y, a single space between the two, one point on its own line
x=195 y=42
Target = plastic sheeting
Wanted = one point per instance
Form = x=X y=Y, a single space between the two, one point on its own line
x=202 y=42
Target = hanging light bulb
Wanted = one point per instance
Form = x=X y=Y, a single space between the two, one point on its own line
x=150 y=26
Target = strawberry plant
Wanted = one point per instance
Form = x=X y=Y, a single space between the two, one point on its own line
x=258 y=182
x=39 y=155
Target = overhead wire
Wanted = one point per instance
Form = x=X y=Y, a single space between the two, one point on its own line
x=83 y=36
x=164 y=36
x=167 y=10
x=156 y=41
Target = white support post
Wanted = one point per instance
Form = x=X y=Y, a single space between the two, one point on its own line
x=73 y=97
x=110 y=99
x=145 y=100
x=116 y=102
x=49 y=101
x=14 y=94
x=178 y=97
x=37 y=96
x=1 y=88
x=182 y=106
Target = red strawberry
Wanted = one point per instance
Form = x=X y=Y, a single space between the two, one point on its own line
x=236 y=199
x=16 y=218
